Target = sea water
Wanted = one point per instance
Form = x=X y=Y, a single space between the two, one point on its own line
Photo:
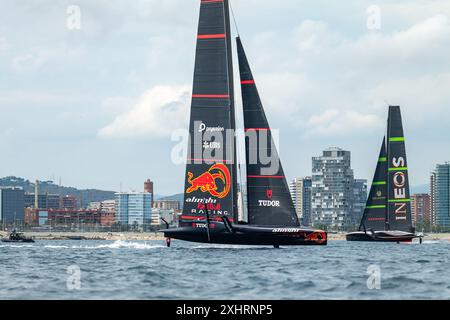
x=149 y=270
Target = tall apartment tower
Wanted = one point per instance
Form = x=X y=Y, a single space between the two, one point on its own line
x=133 y=208
x=359 y=202
x=421 y=209
x=332 y=189
x=440 y=195
x=432 y=198
x=301 y=196
x=148 y=187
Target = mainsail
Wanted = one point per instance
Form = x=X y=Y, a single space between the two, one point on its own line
x=375 y=212
x=398 y=206
x=210 y=183
x=268 y=197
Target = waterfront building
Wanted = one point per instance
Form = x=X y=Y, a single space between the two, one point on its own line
x=134 y=208
x=94 y=205
x=11 y=205
x=421 y=209
x=167 y=214
x=336 y=201
x=69 y=202
x=300 y=189
x=45 y=201
x=167 y=205
x=440 y=195
x=62 y=217
x=107 y=211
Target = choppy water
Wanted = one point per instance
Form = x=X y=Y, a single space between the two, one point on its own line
x=149 y=270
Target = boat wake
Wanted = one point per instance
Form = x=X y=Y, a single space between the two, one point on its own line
x=119 y=244
x=16 y=245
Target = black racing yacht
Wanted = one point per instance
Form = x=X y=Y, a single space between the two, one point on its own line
x=387 y=216
x=210 y=210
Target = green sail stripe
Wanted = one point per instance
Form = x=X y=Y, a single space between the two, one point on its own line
x=378 y=183
x=399 y=169
x=382 y=159
x=399 y=200
x=376 y=207
x=397 y=139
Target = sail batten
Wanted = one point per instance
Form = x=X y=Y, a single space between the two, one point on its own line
x=268 y=197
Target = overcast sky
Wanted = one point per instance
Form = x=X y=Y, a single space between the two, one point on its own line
x=97 y=106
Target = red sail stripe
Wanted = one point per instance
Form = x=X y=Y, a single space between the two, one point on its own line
x=257 y=129
x=248 y=82
x=201 y=218
x=211 y=36
x=268 y=177
x=210 y=96
x=211 y=1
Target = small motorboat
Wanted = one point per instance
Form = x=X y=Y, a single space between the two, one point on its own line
x=17 y=237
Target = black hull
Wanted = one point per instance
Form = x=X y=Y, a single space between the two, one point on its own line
x=247 y=235
x=381 y=236
x=23 y=240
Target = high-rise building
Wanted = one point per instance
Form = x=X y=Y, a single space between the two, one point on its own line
x=133 y=208
x=432 y=198
x=11 y=205
x=359 y=201
x=332 y=189
x=148 y=187
x=421 y=209
x=301 y=196
x=440 y=195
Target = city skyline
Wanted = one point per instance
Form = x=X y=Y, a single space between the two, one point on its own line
x=109 y=95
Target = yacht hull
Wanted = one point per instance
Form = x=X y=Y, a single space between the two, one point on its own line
x=381 y=236
x=247 y=235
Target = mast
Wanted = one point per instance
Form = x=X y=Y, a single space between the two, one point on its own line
x=232 y=109
x=398 y=194
x=210 y=181
x=374 y=216
x=269 y=199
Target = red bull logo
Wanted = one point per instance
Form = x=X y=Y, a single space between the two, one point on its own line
x=208 y=181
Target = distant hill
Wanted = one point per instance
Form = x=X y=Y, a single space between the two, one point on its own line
x=179 y=197
x=83 y=196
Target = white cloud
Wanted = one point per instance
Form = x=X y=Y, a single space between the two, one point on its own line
x=320 y=69
x=32 y=99
x=337 y=123
x=37 y=57
x=157 y=112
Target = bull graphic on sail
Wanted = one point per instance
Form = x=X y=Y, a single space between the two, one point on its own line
x=208 y=181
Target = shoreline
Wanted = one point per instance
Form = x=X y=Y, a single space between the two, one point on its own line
x=136 y=236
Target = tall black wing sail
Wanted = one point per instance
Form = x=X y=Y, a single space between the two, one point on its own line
x=268 y=196
x=210 y=183
x=399 y=203
x=375 y=212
